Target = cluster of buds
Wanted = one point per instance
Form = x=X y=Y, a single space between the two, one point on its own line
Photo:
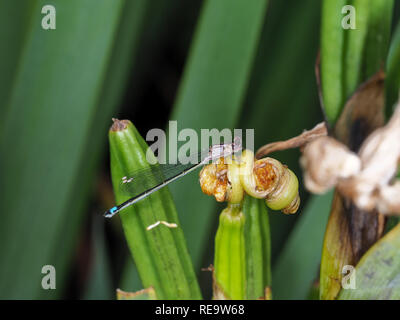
x=265 y=178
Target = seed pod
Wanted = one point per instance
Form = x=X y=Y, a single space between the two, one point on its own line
x=213 y=180
x=265 y=178
x=235 y=190
x=229 y=259
x=242 y=267
x=259 y=178
x=269 y=179
x=222 y=181
x=285 y=196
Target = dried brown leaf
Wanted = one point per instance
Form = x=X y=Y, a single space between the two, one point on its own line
x=362 y=114
x=299 y=141
x=350 y=230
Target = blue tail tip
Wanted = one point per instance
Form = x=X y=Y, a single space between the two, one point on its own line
x=111 y=212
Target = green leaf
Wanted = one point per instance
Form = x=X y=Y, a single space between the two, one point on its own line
x=130 y=279
x=313 y=294
x=350 y=56
x=124 y=53
x=281 y=103
x=392 y=82
x=258 y=248
x=214 y=82
x=378 y=38
x=156 y=30
x=99 y=286
x=377 y=273
x=160 y=254
x=18 y=15
x=298 y=263
x=46 y=120
x=211 y=93
x=332 y=53
x=354 y=45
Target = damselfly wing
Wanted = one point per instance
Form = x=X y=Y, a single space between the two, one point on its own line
x=145 y=181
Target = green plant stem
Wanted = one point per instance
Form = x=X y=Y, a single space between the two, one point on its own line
x=258 y=247
x=242 y=251
x=229 y=261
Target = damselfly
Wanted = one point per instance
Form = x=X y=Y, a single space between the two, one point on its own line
x=144 y=182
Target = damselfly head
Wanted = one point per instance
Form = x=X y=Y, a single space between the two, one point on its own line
x=225 y=150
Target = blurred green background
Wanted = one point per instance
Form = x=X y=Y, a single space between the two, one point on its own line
x=207 y=64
